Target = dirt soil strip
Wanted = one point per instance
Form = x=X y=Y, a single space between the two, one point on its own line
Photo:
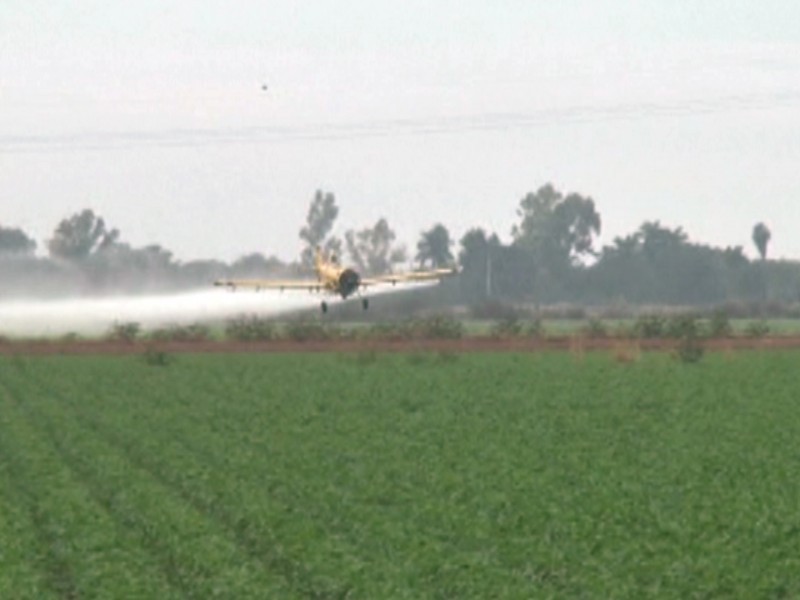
x=472 y=344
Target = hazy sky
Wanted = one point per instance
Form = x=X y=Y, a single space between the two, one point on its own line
x=152 y=114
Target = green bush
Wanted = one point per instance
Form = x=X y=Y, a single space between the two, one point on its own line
x=682 y=326
x=650 y=326
x=506 y=327
x=439 y=327
x=155 y=357
x=125 y=332
x=719 y=325
x=685 y=328
x=434 y=327
x=390 y=330
x=689 y=350
x=248 y=328
x=196 y=332
x=757 y=329
x=595 y=328
x=307 y=330
x=535 y=328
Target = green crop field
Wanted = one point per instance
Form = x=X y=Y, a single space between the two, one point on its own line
x=400 y=476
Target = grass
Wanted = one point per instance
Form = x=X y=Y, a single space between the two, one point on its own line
x=400 y=476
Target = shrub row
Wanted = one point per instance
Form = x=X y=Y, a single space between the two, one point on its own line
x=249 y=328
x=132 y=331
x=681 y=326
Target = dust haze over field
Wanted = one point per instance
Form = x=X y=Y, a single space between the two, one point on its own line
x=92 y=316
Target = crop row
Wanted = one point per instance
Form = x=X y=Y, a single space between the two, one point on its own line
x=403 y=476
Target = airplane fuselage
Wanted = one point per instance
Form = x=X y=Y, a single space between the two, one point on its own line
x=337 y=279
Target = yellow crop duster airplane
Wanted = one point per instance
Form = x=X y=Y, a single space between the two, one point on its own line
x=336 y=280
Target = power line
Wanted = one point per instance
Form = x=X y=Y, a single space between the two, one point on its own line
x=481 y=122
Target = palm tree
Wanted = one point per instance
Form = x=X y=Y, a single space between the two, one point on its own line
x=761 y=237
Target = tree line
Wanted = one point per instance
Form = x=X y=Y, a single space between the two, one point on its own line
x=552 y=257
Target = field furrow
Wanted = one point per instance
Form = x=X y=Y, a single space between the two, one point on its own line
x=199 y=478
x=79 y=550
x=23 y=572
x=192 y=552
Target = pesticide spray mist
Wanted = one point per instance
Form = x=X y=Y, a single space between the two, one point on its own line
x=94 y=316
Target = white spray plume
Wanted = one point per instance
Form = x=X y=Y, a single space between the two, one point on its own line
x=93 y=316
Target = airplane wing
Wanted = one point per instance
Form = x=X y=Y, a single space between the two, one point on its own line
x=309 y=285
x=408 y=277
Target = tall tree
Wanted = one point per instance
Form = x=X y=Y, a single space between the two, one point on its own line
x=321 y=217
x=81 y=235
x=492 y=271
x=761 y=237
x=658 y=264
x=434 y=247
x=372 y=249
x=15 y=242
x=658 y=241
x=256 y=264
x=476 y=269
x=560 y=230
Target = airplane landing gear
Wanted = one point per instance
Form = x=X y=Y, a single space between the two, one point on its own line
x=323 y=307
x=365 y=303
